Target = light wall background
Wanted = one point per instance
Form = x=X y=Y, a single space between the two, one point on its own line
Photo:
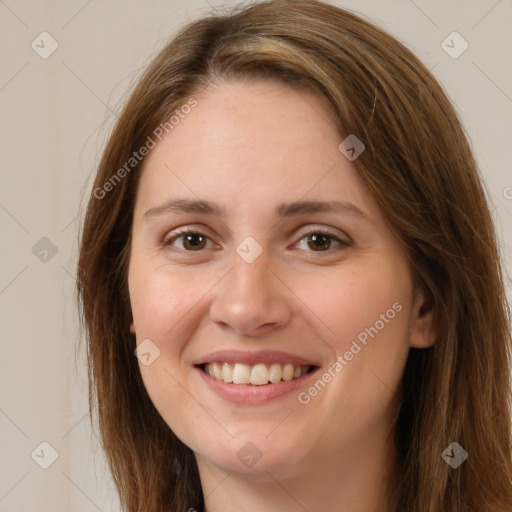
x=55 y=116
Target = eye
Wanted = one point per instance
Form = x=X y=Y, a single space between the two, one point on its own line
x=189 y=240
x=319 y=240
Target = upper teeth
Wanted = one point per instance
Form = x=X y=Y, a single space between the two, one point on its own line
x=258 y=374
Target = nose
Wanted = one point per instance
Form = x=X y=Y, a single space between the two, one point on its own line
x=251 y=300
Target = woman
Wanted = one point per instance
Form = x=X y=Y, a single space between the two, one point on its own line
x=288 y=230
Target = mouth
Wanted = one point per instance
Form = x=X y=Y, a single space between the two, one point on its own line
x=260 y=374
x=254 y=377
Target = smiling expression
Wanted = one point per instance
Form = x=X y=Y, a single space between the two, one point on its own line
x=259 y=255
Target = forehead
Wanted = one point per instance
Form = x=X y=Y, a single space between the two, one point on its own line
x=257 y=141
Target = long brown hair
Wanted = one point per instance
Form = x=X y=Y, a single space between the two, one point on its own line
x=421 y=170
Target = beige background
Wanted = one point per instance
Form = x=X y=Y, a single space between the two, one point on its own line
x=56 y=113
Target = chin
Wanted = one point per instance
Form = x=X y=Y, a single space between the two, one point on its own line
x=254 y=455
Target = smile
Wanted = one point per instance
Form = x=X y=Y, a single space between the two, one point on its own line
x=245 y=378
x=259 y=374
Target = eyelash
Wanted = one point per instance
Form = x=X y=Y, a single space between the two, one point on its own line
x=317 y=231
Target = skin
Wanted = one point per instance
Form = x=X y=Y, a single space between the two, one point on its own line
x=249 y=147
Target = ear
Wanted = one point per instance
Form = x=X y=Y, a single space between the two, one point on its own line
x=132 y=328
x=423 y=332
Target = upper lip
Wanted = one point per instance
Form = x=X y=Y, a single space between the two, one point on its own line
x=252 y=358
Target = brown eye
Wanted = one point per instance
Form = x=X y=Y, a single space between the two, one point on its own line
x=190 y=241
x=318 y=241
x=194 y=241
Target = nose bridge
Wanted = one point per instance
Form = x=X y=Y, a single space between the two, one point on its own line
x=250 y=296
x=251 y=278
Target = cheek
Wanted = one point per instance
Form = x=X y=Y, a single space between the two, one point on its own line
x=161 y=299
x=165 y=306
x=358 y=301
x=366 y=310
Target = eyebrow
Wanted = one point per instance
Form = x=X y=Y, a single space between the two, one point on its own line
x=282 y=210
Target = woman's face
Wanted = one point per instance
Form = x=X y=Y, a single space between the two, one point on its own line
x=289 y=271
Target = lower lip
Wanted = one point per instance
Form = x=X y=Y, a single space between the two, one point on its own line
x=251 y=394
